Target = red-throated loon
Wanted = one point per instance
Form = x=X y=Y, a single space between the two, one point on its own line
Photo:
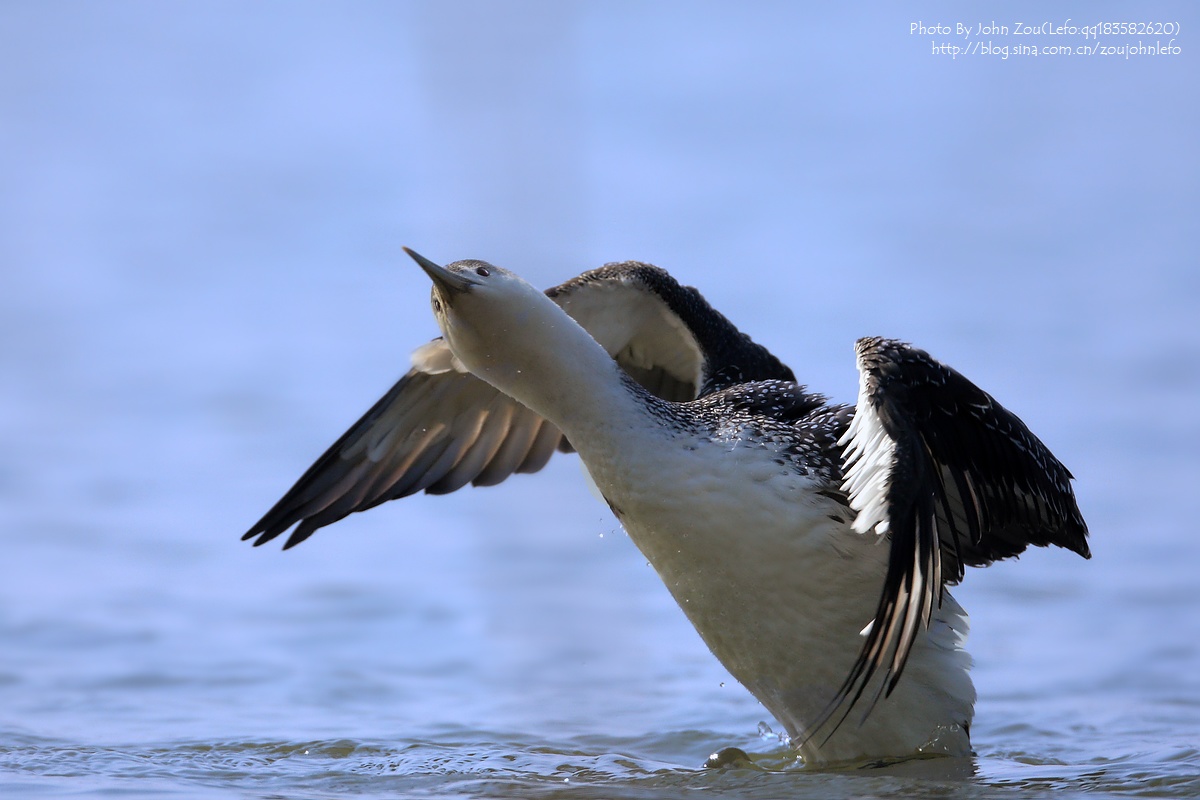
x=809 y=543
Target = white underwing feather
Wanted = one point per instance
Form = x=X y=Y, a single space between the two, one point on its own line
x=868 y=460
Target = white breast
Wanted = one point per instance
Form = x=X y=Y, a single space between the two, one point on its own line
x=779 y=586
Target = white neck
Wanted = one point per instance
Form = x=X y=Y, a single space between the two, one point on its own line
x=554 y=367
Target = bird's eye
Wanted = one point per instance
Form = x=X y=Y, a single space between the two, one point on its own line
x=482 y=272
x=437 y=306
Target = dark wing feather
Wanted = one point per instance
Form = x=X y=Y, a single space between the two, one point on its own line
x=433 y=432
x=954 y=480
x=440 y=428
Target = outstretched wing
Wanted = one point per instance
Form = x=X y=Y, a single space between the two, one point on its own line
x=431 y=432
x=953 y=479
x=440 y=428
x=662 y=331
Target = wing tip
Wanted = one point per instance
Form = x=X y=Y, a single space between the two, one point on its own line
x=264 y=532
x=1080 y=546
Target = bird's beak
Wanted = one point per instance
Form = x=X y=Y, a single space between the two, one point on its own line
x=452 y=282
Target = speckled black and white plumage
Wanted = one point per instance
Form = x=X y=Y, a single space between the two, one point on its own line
x=782 y=524
x=802 y=427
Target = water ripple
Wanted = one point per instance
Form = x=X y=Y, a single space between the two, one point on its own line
x=486 y=765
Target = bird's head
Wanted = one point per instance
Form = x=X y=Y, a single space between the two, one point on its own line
x=496 y=323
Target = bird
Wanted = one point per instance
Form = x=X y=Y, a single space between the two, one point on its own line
x=809 y=543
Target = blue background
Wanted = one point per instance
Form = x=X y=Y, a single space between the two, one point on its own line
x=201 y=286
